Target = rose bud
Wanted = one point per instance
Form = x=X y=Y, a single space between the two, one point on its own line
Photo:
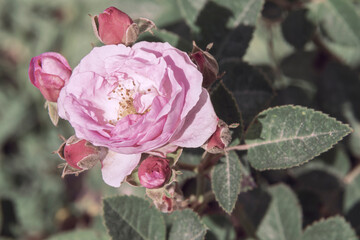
x=49 y=72
x=206 y=64
x=111 y=26
x=154 y=172
x=219 y=140
x=80 y=154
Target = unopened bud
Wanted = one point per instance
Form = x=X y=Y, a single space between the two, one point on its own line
x=219 y=140
x=49 y=72
x=80 y=154
x=206 y=64
x=154 y=172
x=111 y=26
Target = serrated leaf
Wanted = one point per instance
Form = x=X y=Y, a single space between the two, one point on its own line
x=80 y=235
x=226 y=107
x=186 y=225
x=334 y=228
x=128 y=217
x=289 y=136
x=283 y=218
x=226 y=180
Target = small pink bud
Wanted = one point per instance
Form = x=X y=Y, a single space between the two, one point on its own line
x=81 y=154
x=111 y=26
x=154 y=172
x=206 y=64
x=220 y=139
x=49 y=72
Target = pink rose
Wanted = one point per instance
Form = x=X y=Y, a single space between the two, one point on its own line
x=111 y=25
x=49 y=72
x=145 y=98
x=154 y=172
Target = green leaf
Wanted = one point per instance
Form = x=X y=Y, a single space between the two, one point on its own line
x=220 y=227
x=250 y=88
x=186 y=224
x=352 y=194
x=189 y=10
x=260 y=53
x=128 y=217
x=80 y=235
x=226 y=180
x=289 y=136
x=283 y=218
x=161 y=35
x=297 y=29
x=340 y=24
x=244 y=12
x=226 y=107
x=334 y=228
x=191 y=156
x=354 y=139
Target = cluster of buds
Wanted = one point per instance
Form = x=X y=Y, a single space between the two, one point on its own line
x=50 y=72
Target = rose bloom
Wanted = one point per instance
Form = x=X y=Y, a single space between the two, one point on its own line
x=145 y=98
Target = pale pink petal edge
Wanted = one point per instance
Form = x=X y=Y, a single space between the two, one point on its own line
x=116 y=166
x=198 y=125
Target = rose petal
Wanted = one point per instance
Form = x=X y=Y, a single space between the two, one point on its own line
x=198 y=126
x=116 y=166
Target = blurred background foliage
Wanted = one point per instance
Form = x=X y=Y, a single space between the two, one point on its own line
x=273 y=53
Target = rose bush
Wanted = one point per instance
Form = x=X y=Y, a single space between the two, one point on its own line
x=145 y=98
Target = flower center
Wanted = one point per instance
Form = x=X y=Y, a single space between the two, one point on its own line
x=129 y=99
x=124 y=97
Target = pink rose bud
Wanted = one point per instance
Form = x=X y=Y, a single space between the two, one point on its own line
x=220 y=139
x=49 y=72
x=154 y=172
x=81 y=154
x=206 y=64
x=111 y=26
